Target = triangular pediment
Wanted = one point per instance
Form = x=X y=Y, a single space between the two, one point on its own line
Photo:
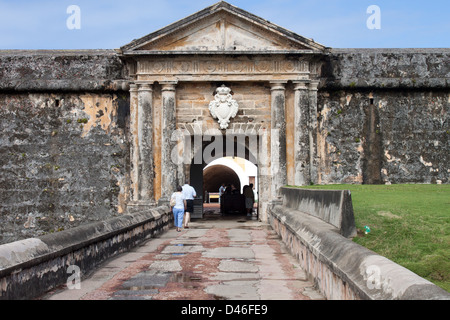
x=222 y=28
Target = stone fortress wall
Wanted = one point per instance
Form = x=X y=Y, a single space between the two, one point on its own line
x=65 y=138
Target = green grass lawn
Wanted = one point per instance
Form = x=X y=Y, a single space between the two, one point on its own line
x=409 y=224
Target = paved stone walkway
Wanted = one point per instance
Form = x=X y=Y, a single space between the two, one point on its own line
x=217 y=258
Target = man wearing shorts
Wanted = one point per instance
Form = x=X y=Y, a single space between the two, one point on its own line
x=189 y=195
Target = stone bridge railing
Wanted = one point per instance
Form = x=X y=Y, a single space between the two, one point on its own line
x=31 y=267
x=315 y=224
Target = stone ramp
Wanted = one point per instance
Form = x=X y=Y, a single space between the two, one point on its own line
x=217 y=258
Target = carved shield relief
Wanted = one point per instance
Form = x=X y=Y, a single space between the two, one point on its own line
x=223 y=107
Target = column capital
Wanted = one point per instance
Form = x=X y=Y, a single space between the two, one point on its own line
x=301 y=84
x=313 y=85
x=144 y=85
x=173 y=82
x=278 y=85
x=168 y=85
x=133 y=87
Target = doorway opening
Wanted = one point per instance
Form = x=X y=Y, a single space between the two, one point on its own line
x=237 y=167
x=230 y=172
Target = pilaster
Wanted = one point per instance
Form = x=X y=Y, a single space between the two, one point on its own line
x=134 y=146
x=168 y=165
x=301 y=133
x=313 y=161
x=145 y=143
x=278 y=136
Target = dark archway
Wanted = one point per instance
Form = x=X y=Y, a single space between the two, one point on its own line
x=215 y=175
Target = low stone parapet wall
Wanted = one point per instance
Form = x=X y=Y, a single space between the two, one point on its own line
x=31 y=267
x=341 y=268
x=332 y=206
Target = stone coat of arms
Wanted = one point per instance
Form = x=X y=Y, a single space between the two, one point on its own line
x=224 y=107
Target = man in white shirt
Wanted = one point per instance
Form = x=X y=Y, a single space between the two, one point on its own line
x=189 y=194
x=221 y=190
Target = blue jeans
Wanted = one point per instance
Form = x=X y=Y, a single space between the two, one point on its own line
x=178 y=215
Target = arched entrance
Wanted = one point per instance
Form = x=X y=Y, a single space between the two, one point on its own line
x=231 y=172
x=214 y=169
x=215 y=175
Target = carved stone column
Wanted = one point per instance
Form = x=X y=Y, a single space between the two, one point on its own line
x=313 y=161
x=145 y=143
x=278 y=137
x=168 y=123
x=134 y=148
x=301 y=135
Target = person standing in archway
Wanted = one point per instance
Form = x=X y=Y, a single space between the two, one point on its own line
x=249 y=199
x=189 y=194
x=221 y=191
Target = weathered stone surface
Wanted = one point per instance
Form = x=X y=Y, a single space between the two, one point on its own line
x=145 y=143
x=21 y=251
x=61 y=70
x=410 y=131
x=168 y=125
x=332 y=206
x=237 y=266
x=227 y=252
x=193 y=100
x=166 y=266
x=64 y=161
x=387 y=68
x=278 y=137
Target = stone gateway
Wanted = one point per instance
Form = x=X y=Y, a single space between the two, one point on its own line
x=91 y=134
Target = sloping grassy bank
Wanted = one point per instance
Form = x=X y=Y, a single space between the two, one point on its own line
x=409 y=224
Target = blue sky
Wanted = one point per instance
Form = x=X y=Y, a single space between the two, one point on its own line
x=108 y=24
